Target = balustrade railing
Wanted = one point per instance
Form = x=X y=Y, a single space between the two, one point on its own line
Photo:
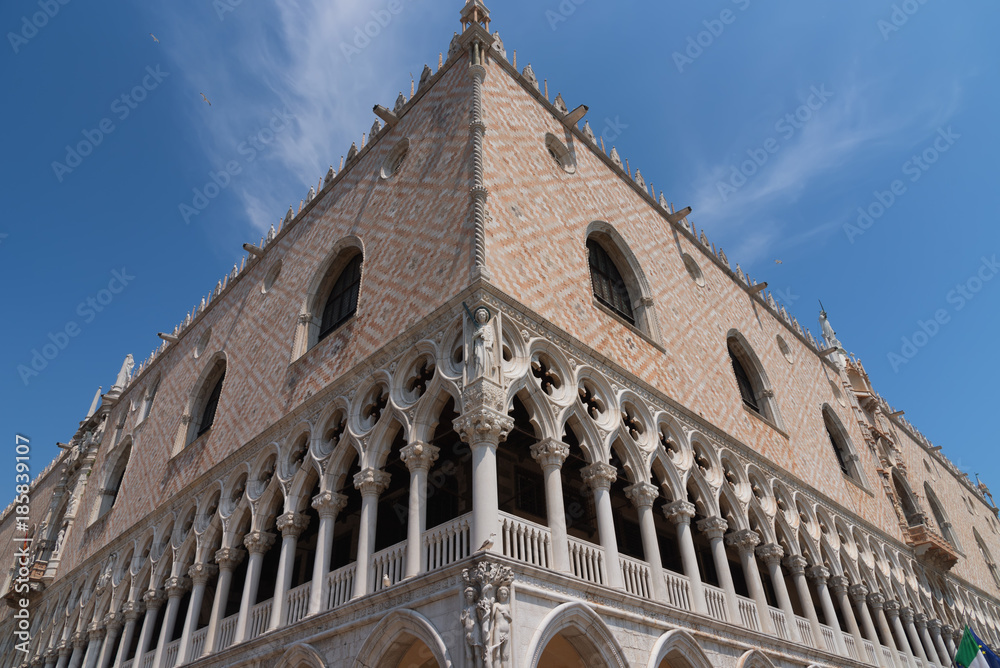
x=852 y=647
x=870 y=655
x=147 y=660
x=748 y=612
x=829 y=640
x=678 y=590
x=340 y=586
x=635 y=574
x=260 y=615
x=887 y=655
x=128 y=664
x=715 y=600
x=389 y=562
x=227 y=630
x=805 y=631
x=197 y=643
x=448 y=543
x=297 y=603
x=587 y=561
x=526 y=541
x=170 y=654
x=779 y=623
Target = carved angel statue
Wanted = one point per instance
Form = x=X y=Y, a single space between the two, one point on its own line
x=483 y=344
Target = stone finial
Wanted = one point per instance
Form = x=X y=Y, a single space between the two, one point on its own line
x=529 y=74
x=289 y=215
x=94 y=404
x=124 y=374
x=454 y=47
x=498 y=45
x=376 y=128
x=352 y=153
x=589 y=133
x=560 y=104
x=270 y=235
x=663 y=201
x=312 y=194
x=400 y=102
x=615 y=158
x=723 y=258
x=424 y=77
x=641 y=182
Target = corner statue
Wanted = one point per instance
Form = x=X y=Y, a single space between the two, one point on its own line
x=483 y=358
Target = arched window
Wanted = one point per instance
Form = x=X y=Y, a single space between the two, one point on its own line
x=911 y=510
x=204 y=402
x=147 y=401
x=113 y=482
x=941 y=517
x=841 y=444
x=987 y=557
x=755 y=390
x=342 y=299
x=211 y=405
x=609 y=286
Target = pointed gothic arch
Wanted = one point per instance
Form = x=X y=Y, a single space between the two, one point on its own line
x=580 y=625
x=678 y=649
x=115 y=466
x=203 y=402
x=843 y=448
x=751 y=379
x=392 y=637
x=754 y=659
x=941 y=517
x=333 y=295
x=617 y=279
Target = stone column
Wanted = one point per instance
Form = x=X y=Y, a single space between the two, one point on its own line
x=64 y=651
x=51 y=657
x=906 y=616
x=600 y=476
x=680 y=513
x=550 y=455
x=227 y=558
x=79 y=640
x=796 y=564
x=771 y=555
x=154 y=600
x=175 y=588
x=291 y=525
x=328 y=505
x=716 y=527
x=949 y=640
x=113 y=624
x=95 y=634
x=257 y=544
x=892 y=610
x=642 y=495
x=819 y=575
x=372 y=483
x=130 y=613
x=745 y=542
x=920 y=622
x=859 y=595
x=934 y=627
x=838 y=588
x=418 y=458
x=877 y=602
x=483 y=426
x=200 y=574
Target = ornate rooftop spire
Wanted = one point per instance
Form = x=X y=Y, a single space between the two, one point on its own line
x=475 y=12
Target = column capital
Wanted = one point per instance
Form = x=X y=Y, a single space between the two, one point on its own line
x=906 y=614
x=947 y=631
x=79 y=640
x=419 y=456
x=176 y=586
x=876 y=600
x=715 y=527
x=51 y=653
x=771 y=553
x=228 y=558
x=95 y=631
x=818 y=574
x=201 y=573
x=858 y=593
x=642 y=494
x=839 y=584
x=934 y=625
x=328 y=504
x=550 y=453
x=154 y=599
x=892 y=609
x=744 y=541
x=371 y=481
x=113 y=621
x=679 y=512
x=64 y=649
x=258 y=542
x=796 y=564
x=599 y=475
x=292 y=524
x=132 y=609
x=38 y=660
x=483 y=426
x=920 y=620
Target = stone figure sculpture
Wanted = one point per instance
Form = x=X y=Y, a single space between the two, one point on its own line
x=486 y=618
x=483 y=345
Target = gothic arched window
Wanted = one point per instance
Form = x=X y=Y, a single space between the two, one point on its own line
x=113 y=481
x=987 y=557
x=342 y=298
x=211 y=405
x=754 y=388
x=205 y=400
x=941 y=517
x=147 y=401
x=609 y=286
x=841 y=444
x=743 y=381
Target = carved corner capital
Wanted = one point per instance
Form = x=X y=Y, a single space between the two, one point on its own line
x=876 y=600
x=176 y=586
x=202 y=573
x=550 y=453
x=419 y=455
x=371 y=481
x=679 y=512
x=258 y=542
x=328 y=504
x=858 y=593
x=154 y=599
x=744 y=541
x=771 y=553
x=642 y=494
x=599 y=475
x=484 y=393
x=483 y=426
x=292 y=524
x=839 y=584
x=715 y=527
x=892 y=609
x=818 y=574
x=229 y=558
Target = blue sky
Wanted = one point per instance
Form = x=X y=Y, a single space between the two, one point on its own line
x=887 y=107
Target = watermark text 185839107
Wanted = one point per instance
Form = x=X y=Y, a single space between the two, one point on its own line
x=21 y=583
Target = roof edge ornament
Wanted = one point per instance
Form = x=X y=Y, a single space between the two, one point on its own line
x=475 y=12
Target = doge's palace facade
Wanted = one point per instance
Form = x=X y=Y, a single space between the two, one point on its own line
x=487 y=401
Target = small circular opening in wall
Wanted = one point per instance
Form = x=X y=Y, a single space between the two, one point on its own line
x=271 y=277
x=202 y=343
x=558 y=152
x=785 y=350
x=838 y=394
x=394 y=161
x=694 y=270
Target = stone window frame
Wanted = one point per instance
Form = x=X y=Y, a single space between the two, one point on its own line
x=324 y=278
x=638 y=287
x=148 y=397
x=840 y=442
x=739 y=348
x=991 y=564
x=215 y=370
x=942 y=518
x=115 y=467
